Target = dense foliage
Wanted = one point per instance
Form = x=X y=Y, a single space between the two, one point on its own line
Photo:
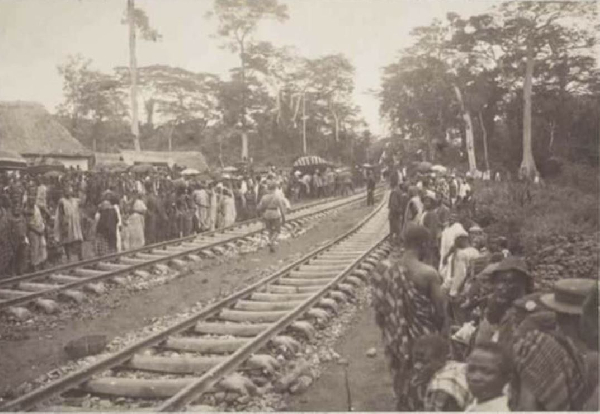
x=486 y=59
x=264 y=99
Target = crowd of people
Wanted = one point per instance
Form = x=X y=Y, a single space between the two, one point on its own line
x=45 y=220
x=319 y=183
x=463 y=325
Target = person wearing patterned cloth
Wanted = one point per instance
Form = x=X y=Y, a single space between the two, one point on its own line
x=408 y=304
x=549 y=374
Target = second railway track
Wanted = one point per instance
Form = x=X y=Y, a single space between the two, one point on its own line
x=173 y=368
x=67 y=281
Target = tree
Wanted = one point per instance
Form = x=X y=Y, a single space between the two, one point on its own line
x=175 y=96
x=238 y=20
x=136 y=19
x=533 y=30
x=89 y=95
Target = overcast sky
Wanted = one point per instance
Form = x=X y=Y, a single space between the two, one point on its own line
x=38 y=35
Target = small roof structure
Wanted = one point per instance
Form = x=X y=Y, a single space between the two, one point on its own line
x=28 y=129
x=186 y=159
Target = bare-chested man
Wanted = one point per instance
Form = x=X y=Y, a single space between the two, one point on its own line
x=408 y=303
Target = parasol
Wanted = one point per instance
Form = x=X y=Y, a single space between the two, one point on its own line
x=190 y=171
x=11 y=161
x=310 y=160
x=439 y=168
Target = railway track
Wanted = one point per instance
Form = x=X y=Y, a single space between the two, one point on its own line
x=205 y=353
x=69 y=282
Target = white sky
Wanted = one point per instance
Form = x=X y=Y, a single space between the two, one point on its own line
x=38 y=35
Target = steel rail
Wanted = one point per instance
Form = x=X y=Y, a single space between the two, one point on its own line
x=30 y=400
x=133 y=267
x=70 y=266
x=215 y=374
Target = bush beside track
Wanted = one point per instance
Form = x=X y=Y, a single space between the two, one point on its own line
x=554 y=225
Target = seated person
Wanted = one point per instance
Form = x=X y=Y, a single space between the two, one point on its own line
x=436 y=383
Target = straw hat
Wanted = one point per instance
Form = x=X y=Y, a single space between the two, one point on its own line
x=569 y=295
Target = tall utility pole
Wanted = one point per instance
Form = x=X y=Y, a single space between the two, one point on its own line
x=135 y=130
x=304 y=122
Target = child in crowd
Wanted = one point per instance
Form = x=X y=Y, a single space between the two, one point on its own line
x=488 y=372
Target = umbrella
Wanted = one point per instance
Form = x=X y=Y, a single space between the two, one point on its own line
x=230 y=169
x=11 y=161
x=424 y=166
x=439 y=168
x=367 y=166
x=310 y=160
x=142 y=168
x=190 y=171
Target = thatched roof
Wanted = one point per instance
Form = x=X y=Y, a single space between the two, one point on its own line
x=187 y=159
x=27 y=128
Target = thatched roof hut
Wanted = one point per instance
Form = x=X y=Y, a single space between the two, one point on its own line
x=28 y=129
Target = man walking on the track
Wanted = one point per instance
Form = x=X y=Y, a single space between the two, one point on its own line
x=272 y=208
x=370 y=189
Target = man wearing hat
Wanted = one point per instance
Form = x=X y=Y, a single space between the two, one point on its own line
x=272 y=208
x=567 y=300
x=510 y=282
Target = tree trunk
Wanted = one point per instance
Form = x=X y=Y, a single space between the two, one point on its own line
x=337 y=125
x=468 y=130
x=485 y=143
x=150 y=114
x=135 y=130
x=304 y=124
x=528 y=167
x=170 y=138
x=244 y=134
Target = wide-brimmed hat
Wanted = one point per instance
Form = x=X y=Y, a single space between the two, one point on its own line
x=569 y=295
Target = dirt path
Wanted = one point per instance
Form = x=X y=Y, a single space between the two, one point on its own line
x=369 y=379
x=38 y=352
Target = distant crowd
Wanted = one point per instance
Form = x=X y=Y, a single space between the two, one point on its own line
x=47 y=220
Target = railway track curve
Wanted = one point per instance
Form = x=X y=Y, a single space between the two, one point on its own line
x=201 y=354
x=69 y=282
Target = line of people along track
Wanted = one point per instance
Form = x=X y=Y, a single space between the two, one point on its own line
x=67 y=281
x=464 y=327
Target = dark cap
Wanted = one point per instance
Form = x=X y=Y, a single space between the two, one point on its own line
x=512 y=263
